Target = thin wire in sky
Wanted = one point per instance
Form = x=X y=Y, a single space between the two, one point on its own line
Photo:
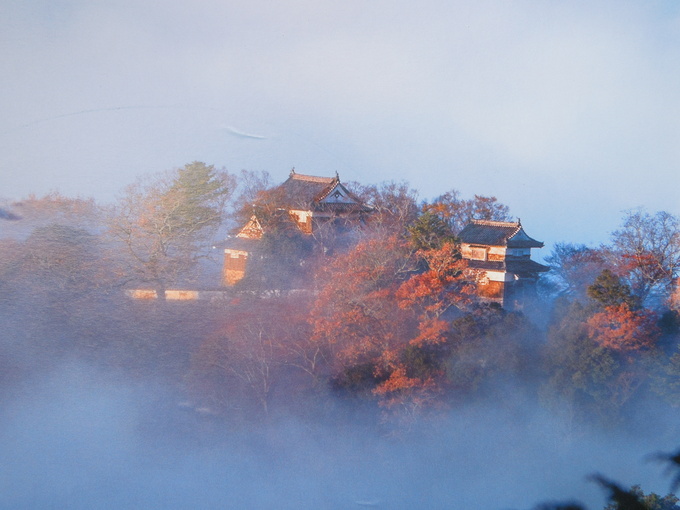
x=100 y=110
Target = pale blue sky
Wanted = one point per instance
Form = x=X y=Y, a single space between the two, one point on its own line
x=567 y=112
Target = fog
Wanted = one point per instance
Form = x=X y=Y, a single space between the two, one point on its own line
x=75 y=437
x=345 y=370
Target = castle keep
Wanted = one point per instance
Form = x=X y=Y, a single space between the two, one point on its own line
x=309 y=202
x=499 y=259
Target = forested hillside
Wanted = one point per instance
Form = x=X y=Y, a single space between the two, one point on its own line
x=378 y=325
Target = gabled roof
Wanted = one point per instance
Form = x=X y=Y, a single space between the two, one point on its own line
x=251 y=230
x=310 y=192
x=300 y=191
x=256 y=226
x=498 y=233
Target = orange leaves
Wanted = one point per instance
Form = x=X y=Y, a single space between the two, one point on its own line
x=382 y=306
x=458 y=212
x=621 y=329
x=409 y=394
x=373 y=296
x=431 y=331
x=356 y=296
x=444 y=262
x=419 y=286
x=434 y=291
x=398 y=381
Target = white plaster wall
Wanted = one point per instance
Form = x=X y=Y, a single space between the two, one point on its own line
x=499 y=276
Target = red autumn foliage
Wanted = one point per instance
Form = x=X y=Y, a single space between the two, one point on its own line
x=377 y=300
x=431 y=293
x=355 y=313
x=622 y=329
x=413 y=393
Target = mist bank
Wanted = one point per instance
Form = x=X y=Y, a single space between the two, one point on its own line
x=79 y=437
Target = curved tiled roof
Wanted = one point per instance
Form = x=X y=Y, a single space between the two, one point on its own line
x=306 y=192
x=300 y=191
x=497 y=233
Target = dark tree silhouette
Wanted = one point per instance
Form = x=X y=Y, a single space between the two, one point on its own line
x=623 y=499
x=559 y=506
x=673 y=461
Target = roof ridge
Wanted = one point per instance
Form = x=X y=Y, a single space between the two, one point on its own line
x=327 y=190
x=495 y=223
x=312 y=178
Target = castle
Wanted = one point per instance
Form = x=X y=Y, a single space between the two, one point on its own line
x=498 y=253
x=308 y=202
x=499 y=259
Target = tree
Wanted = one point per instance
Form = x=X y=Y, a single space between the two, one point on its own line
x=60 y=278
x=598 y=358
x=52 y=209
x=622 y=325
x=573 y=268
x=635 y=498
x=358 y=320
x=251 y=186
x=242 y=361
x=429 y=232
x=165 y=224
x=622 y=329
x=647 y=251
x=395 y=204
x=560 y=506
x=458 y=212
x=380 y=311
x=8 y=215
x=622 y=499
x=667 y=380
x=582 y=375
x=237 y=364
x=413 y=372
x=405 y=398
x=355 y=314
x=429 y=294
x=609 y=291
x=57 y=208
x=487 y=343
